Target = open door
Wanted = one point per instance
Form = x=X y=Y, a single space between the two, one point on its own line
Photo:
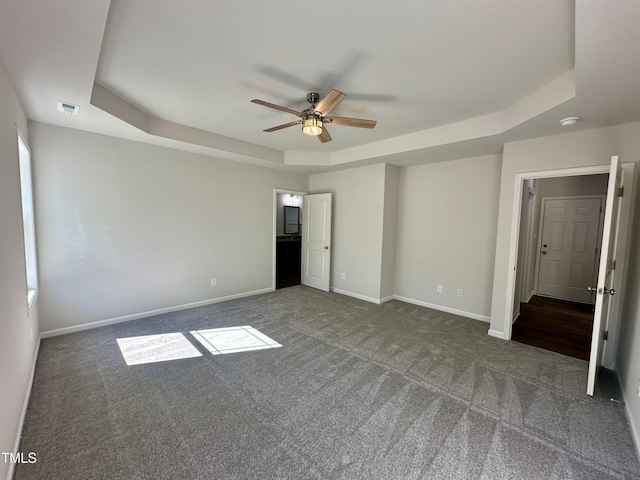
x=606 y=271
x=316 y=241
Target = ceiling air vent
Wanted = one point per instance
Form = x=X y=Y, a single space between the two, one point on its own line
x=68 y=108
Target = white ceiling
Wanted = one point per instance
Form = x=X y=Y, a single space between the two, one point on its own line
x=442 y=78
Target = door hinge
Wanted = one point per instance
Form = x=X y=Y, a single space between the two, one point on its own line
x=620 y=191
x=605 y=335
x=613 y=264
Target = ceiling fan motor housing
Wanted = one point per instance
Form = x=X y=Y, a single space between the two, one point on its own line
x=313 y=98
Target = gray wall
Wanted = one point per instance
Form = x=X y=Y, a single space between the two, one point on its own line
x=447 y=214
x=358 y=206
x=19 y=327
x=128 y=228
x=389 y=232
x=572 y=186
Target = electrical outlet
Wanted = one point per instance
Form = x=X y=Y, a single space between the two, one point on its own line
x=439 y=289
x=343 y=276
x=214 y=282
x=459 y=292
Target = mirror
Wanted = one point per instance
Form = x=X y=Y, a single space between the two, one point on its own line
x=292 y=220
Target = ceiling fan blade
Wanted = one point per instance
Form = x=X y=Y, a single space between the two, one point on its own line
x=350 y=122
x=330 y=101
x=280 y=127
x=324 y=137
x=273 y=105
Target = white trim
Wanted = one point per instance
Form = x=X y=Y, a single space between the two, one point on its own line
x=516 y=314
x=150 y=313
x=31 y=273
x=23 y=413
x=387 y=299
x=358 y=296
x=462 y=313
x=497 y=334
x=530 y=295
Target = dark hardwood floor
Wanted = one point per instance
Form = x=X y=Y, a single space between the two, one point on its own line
x=557 y=325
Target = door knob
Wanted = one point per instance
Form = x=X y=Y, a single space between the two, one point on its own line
x=544 y=252
x=545 y=245
x=602 y=291
x=326 y=247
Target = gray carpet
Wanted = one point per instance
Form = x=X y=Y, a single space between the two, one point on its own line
x=357 y=391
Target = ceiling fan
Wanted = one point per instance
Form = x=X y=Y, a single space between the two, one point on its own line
x=314 y=119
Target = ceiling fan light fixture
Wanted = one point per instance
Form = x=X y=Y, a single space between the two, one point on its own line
x=312 y=126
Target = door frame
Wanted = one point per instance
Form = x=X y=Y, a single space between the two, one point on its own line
x=540 y=232
x=274 y=234
x=626 y=210
x=526 y=294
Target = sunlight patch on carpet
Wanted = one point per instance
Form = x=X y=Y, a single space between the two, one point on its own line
x=220 y=341
x=156 y=348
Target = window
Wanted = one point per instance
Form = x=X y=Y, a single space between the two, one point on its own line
x=28 y=220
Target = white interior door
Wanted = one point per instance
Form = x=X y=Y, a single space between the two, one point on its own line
x=569 y=247
x=316 y=241
x=606 y=272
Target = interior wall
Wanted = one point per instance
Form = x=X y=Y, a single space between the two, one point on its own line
x=447 y=214
x=572 y=186
x=18 y=326
x=389 y=232
x=628 y=352
x=126 y=227
x=358 y=206
x=585 y=148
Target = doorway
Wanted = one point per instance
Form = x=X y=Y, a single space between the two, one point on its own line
x=560 y=236
x=288 y=211
x=611 y=269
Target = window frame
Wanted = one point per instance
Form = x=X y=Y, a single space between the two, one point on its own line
x=28 y=220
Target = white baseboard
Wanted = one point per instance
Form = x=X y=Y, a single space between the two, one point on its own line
x=515 y=316
x=462 y=313
x=150 y=313
x=23 y=413
x=530 y=295
x=498 y=334
x=635 y=428
x=360 y=297
x=387 y=299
